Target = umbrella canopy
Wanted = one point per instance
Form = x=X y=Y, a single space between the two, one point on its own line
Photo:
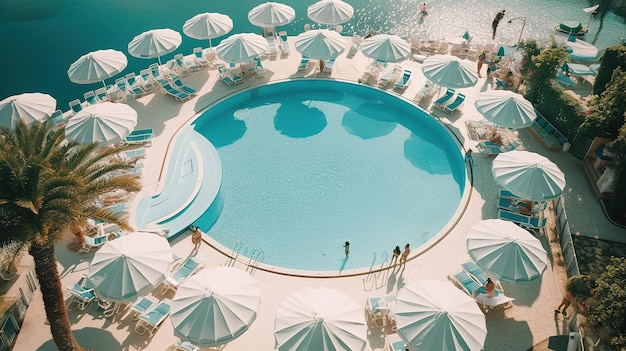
x=106 y=122
x=528 y=175
x=206 y=26
x=319 y=319
x=242 y=47
x=450 y=72
x=215 y=306
x=155 y=43
x=130 y=266
x=271 y=14
x=97 y=66
x=386 y=48
x=506 y=109
x=435 y=315
x=506 y=250
x=320 y=44
x=30 y=107
x=331 y=12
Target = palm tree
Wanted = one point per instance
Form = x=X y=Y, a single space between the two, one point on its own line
x=46 y=184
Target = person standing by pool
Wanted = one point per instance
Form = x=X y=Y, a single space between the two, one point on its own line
x=405 y=254
x=496 y=21
x=468 y=156
x=479 y=63
x=196 y=237
x=396 y=254
x=347 y=248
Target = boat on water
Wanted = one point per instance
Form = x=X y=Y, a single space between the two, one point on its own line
x=572 y=28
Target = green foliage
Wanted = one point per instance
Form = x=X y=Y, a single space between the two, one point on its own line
x=606 y=116
x=607 y=307
x=613 y=57
x=580 y=286
x=538 y=68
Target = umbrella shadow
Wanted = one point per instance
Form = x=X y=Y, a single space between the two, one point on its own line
x=298 y=118
x=499 y=326
x=225 y=129
x=426 y=155
x=89 y=338
x=368 y=121
x=526 y=293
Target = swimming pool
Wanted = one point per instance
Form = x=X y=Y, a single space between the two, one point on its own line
x=309 y=164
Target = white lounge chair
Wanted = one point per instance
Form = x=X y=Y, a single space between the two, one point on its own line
x=143 y=305
x=190 y=64
x=304 y=62
x=403 y=82
x=199 y=58
x=139 y=136
x=180 y=345
x=146 y=81
x=328 y=67
x=181 y=274
x=90 y=97
x=81 y=296
x=273 y=48
x=258 y=68
x=75 y=106
x=284 y=43
x=152 y=319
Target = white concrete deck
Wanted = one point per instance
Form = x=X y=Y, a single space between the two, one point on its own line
x=529 y=322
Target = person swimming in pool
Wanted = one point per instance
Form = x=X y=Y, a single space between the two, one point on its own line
x=423 y=11
x=347 y=248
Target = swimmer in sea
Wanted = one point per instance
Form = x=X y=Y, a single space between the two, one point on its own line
x=423 y=11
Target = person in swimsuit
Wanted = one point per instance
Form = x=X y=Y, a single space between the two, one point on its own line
x=405 y=254
x=396 y=254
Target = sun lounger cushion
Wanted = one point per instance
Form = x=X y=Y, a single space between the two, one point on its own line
x=445 y=99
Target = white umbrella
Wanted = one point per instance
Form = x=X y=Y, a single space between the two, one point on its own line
x=215 y=306
x=450 y=72
x=506 y=109
x=155 y=43
x=506 y=250
x=206 y=26
x=320 y=44
x=528 y=175
x=435 y=315
x=271 y=14
x=106 y=122
x=331 y=12
x=386 y=48
x=130 y=266
x=242 y=47
x=319 y=319
x=30 y=107
x=97 y=66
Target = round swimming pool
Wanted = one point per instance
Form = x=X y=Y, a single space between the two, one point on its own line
x=310 y=164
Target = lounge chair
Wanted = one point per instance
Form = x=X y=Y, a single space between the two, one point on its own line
x=178 y=67
x=304 y=62
x=416 y=43
x=527 y=222
x=81 y=296
x=143 y=305
x=454 y=105
x=284 y=44
x=443 y=47
x=146 y=81
x=328 y=67
x=489 y=148
x=389 y=75
x=271 y=42
x=181 y=274
x=75 y=106
x=480 y=275
x=180 y=345
x=91 y=242
x=465 y=282
x=179 y=85
x=101 y=94
x=139 y=136
x=403 y=81
x=90 y=97
x=56 y=118
x=377 y=310
x=428 y=88
x=445 y=99
x=227 y=76
x=168 y=89
x=258 y=68
x=152 y=319
x=394 y=343
x=191 y=65
x=564 y=80
x=198 y=57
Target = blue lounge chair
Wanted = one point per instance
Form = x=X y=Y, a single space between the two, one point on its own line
x=564 y=80
x=489 y=148
x=80 y=294
x=181 y=274
x=304 y=62
x=328 y=68
x=198 y=57
x=143 y=305
x=139 y=136
x=389 y=75
x=189 y=65
x=56 y=118
x=445 y=99
x=284 y=44
x=227 y=76
x=180 y=345
x=454 y=105
x=403 y=81
x=152 y=319
x=90 y=97
x=91 y=242
x=146 y=81
x=464 y=281
x=527 y=222
x=273 y=48
x=75 y=106
x=171 y=91
x=179 y=85
x=259 y=69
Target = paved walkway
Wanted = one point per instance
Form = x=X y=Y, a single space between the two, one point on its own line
x=530 y=321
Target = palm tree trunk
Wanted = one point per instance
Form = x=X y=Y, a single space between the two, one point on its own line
x=51 y=289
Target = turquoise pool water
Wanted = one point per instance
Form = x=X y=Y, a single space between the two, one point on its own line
x=308 y=165
x=41 y=39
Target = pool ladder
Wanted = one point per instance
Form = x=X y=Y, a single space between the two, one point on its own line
x=239 y=249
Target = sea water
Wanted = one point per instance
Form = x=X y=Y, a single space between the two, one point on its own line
x=41 y=39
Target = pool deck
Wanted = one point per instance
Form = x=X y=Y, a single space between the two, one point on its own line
x=529 y=322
